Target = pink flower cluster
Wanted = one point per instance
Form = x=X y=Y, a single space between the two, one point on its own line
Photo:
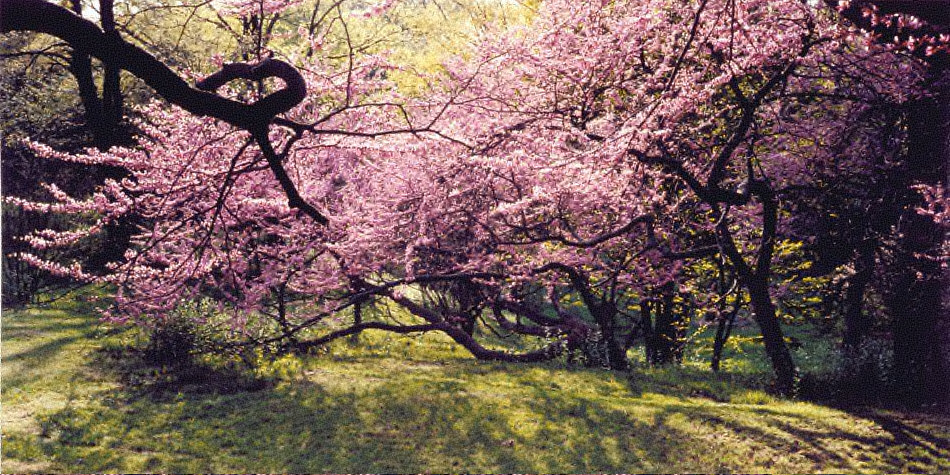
x=521 y=165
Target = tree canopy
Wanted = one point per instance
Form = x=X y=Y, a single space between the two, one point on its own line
x=584 y=175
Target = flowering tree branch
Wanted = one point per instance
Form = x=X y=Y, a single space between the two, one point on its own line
x=83 y=35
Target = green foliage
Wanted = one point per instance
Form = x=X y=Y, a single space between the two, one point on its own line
x=861 y=374
x=38 y=95
x=284 y=367
x=176 y=341
x=868 y=366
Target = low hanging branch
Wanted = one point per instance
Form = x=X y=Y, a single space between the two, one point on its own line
x=294 y=200
x=83 y=35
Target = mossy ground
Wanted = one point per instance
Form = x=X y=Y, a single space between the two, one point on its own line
x=74 y=400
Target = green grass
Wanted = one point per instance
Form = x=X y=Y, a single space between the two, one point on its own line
x=398 y=404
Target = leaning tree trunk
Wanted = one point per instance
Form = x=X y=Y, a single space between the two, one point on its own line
x=763 y=310
x=723 y=330
x=755 y=279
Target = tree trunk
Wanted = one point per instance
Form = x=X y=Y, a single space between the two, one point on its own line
x=469 y=304
x=723 y=331
x=605 y=316
x=111 y=92
x=357 y=321
x=666 y=330
x=764 y=312
x=646 y=321
x=80 y=65
x=857 y=322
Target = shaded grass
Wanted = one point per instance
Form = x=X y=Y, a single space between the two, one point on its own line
x=74 y=399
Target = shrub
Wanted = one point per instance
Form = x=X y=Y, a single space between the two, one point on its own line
x=866 y=370
x=182 y=335
x=860 y=374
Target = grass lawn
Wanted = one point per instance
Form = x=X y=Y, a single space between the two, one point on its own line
x=397 y=404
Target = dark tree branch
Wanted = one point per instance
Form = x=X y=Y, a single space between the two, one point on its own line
x=44 y=17
x=294 y=200
x=359 y=327
x=474 y=347
x=88 y=39
x=521 y=328
x=294 y=91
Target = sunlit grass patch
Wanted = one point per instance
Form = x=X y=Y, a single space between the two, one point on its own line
x=76 y=399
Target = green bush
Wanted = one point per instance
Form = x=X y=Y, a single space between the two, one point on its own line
x=866 y=370
x=182 y=335
x=863 y=373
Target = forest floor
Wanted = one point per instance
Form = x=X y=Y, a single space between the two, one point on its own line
x=76 y=399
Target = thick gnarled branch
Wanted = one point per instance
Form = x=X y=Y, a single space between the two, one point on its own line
x=45 y=17
x=278 y=102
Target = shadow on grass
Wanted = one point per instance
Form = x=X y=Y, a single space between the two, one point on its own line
x=49 y=338
x=456 y=417
x=205 y=420
x=929 y=437
x=380 y=414
x=197 y=419
x=692 y=382
x=38 y=354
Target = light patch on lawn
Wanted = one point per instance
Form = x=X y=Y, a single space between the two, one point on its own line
x=395 y=404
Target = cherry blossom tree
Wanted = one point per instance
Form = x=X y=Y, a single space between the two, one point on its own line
x=557 y=182
x=720 y=104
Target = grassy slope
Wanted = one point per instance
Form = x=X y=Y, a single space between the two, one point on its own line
x=402 y=405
